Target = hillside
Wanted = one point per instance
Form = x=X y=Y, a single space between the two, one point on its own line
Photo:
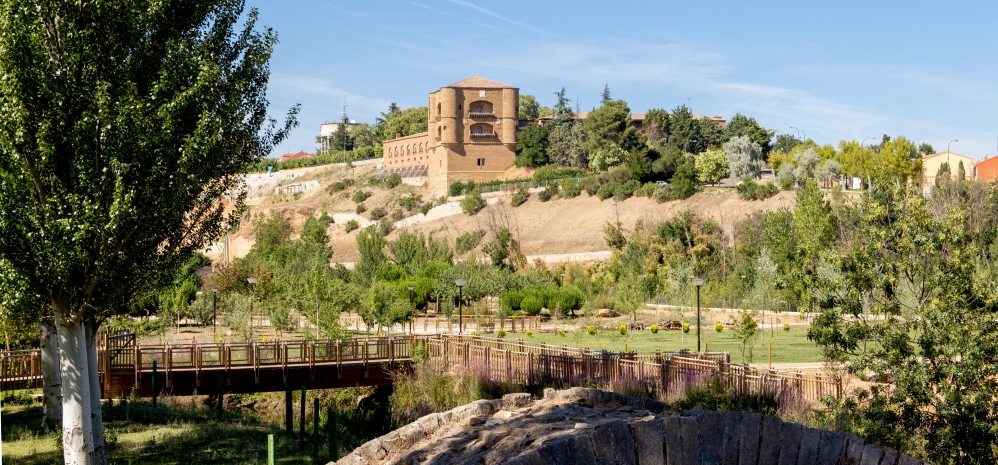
x=560 y=226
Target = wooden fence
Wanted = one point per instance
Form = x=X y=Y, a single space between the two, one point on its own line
x=662 y=373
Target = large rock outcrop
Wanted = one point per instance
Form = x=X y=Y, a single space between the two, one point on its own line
x=589 y=426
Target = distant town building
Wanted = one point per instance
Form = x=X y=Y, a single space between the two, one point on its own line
x=932 y=162
x=295 y=156
x=471 y=136
x=987 y=169
x=327 y=132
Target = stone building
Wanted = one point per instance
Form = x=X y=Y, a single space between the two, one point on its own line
x=471 y=136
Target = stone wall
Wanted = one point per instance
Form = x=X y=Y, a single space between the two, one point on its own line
x=589 y=426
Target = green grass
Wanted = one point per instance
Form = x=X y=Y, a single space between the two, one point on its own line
x=788 y=346
x=182 y=431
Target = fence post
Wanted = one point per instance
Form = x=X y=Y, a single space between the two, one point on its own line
x=154 y=383
x=288 y=410
x=316 y=437
x=331 y=431
x=301 y=420
x=270 y=449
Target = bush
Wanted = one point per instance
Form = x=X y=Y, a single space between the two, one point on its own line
x=719 y=327
x=531 y=305
x=654 y=329
x=570 y=189
x=361 y=196
x=393 y=181
x=591 y=330
x=410 y=202
x=501 y=333
x=456 y=188
x=397 y=215
x=530 y=333
x=561 y=332
x=510 y=301
x=548 y=193
x=468 y=241
x=351 y=225
x=520 y=197
x=786 y=327
x=339 y=186
x=378 y=213
x=686 y=328
x=626 y=190
x=425 y=208
x=361 y=208
x=646 y=190
x=472 y=203
x=678 y=189
x=606 y=191
x=590 y=185
x=622 y=329
x=385 y=227
x=751 y=190
x=551 y=172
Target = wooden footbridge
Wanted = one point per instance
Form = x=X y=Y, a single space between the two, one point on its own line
x=126 y=367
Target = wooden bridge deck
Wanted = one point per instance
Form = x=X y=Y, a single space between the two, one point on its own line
x=185 y=369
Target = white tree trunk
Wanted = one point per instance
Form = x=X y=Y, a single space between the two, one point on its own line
x=100 y=447
x=77 y=425
x=51 y=379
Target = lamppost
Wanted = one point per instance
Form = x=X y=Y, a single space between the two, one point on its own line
x=252 y=282
x=460 y=282
x=950 y=165
x=800 y=134
x=413 y=308
x=214 y=313
x=698 y=281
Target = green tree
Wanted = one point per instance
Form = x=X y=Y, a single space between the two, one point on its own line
x=562 y=110
x=607 y=157
x=529 y=109
x=911 y=302
x=896 y=162
x=371 y=251
x=688 y=133
x=656 y=126
x=741 y=125
x=532 y=146
x=785 y=143
x=744 y=157
x=404 y=122
x=472 y=203
x=605 y=95
x=610 y=124
x=746 y=331
x=711 y=166
x=122 y=127
x=565 y=145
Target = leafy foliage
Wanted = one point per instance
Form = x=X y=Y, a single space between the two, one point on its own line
x=472 y=203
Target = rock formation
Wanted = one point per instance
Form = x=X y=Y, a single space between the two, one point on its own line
x=589 y=426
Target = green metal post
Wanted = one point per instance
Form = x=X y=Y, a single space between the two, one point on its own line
x=270 y=449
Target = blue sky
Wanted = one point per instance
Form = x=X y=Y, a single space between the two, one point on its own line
x=833 y=70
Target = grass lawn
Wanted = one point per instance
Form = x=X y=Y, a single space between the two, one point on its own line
x=174 y=433
x=788 y=346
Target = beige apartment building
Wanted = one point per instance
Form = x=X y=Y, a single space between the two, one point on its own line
x=933 y=161
x=471 y=137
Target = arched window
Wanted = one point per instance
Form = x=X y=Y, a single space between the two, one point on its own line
x=438 y=109
x=440 y=132
x=482 y=130
x=480 y=108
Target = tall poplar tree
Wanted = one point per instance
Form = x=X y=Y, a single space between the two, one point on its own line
x=124 y=127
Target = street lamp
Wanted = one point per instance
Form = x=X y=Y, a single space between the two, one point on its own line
x=800 y=134
x=214 y=313
x=413 y=308
x=460 y=282
x=698 y=281
x=252 y=282
x=950 y=165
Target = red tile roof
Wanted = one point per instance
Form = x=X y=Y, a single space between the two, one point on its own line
x=294 y=156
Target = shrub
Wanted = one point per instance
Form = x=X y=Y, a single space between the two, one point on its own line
x=591 y=330
x=393 y=181
x=456 y=188
x=397 y=215
x=520 y=197
x=468 y=241
x=385 y=227
x=550 y=172
x=361 y=208
x=530 y=333
x=646 y=190
x=718 y=327
x=531 y=305
x=378 y=213
x=606 y=191
x=686 y=328
x=410 y=202
x=622 y=329
x=501 y=333
x=570 y=189
x=561 y=332
x=361 y=196
x=472 y=203
x=339 y=186
x=590 y=185
x=425 y=208
x=509 y=301
x=351 y=225
x=786 y=326
x=548 y=193
x=654 y=329
x=751 y=190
